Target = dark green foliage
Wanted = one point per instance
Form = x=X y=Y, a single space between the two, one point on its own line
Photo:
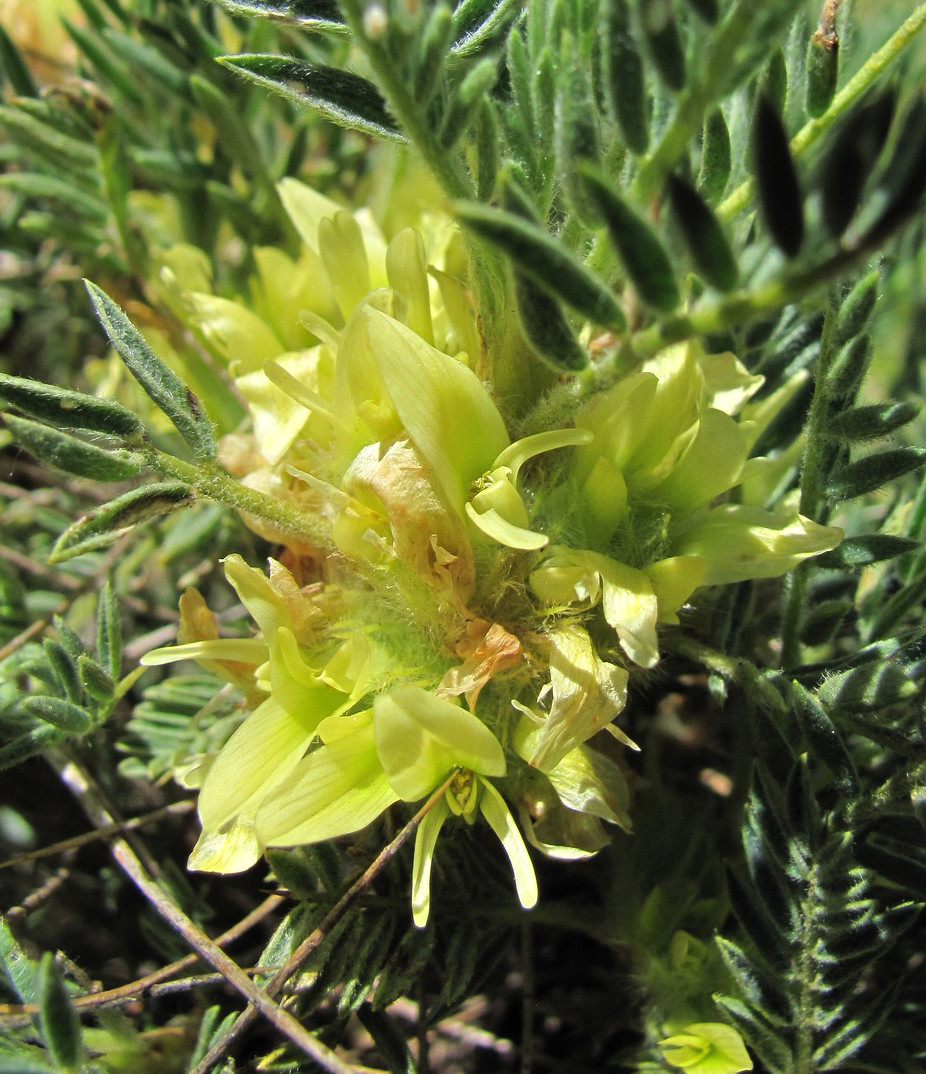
x=546 y=262
x=709 y=247
x=623 y=69
x=822 y=73
x=660 y=28
x=57 y=1017
x=716 y=161
x=779 y=193
x=641 y=250
x=871 y=472
x=850 y=158
x=344 y=98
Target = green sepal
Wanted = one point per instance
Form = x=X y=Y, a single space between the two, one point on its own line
x=344 y=98
x=871 y=472
x=314 y=16
x=546 y=261
x=849 y=159
x=57 y=1017
x=641 y=250
x=716 y=157
x=822 y=66
x=159 y=380
x=871 y=422
x=624 y=77
x=75 y=456
x=710 y=250
x=59 y=713
x=825 y=740
x=68 y=409
x=866 y=688
x=14 y=69
x=106 y=524
x=779 y=191
x=855 y=552
x=660 y=27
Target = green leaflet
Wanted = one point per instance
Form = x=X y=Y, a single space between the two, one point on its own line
x=342 y=97
x=704 y=235
x=779 y=192
x=546 y=261
x=871 y=472
x=68 y=409
x=158 y=380
x=107 y=523
x=315 y=16
x=641 y=250
x=57 y=1017
x=64 y=715
x=73 y=455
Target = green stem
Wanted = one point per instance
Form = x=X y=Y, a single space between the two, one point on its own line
x=701 y=93
x=447 y=167
x=811 y=487
x=813 y=130
x=212 y=483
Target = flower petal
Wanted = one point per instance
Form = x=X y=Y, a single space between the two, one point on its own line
x=497 y=813
x=420 y=738
x=425 y=842
x=338 y=789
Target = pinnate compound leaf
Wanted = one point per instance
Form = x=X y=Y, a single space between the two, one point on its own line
x=546 y=261
x=827 y=743
x=73 y=455
x=344 y=98
x=106 y=524
x=68 y=409
x=158 y=380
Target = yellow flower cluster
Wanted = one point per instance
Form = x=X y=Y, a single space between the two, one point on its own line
x=527 y=578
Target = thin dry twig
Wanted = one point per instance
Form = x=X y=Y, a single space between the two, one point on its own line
x=76 y=841
x=15 y=1014
x=82 y=786
x=308 y=945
